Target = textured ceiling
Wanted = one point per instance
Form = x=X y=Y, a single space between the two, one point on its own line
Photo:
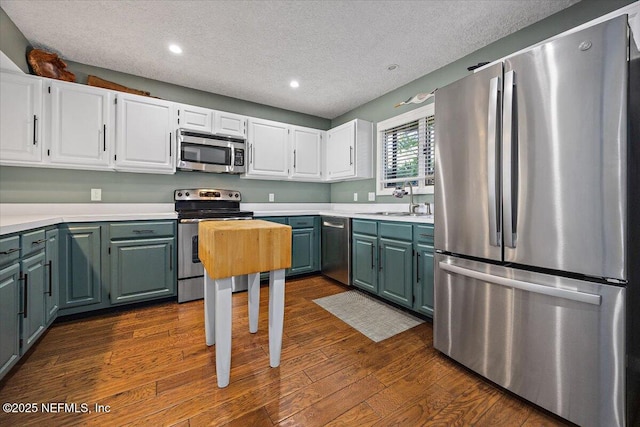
x=338 y=50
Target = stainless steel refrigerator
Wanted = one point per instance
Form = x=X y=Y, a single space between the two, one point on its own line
x=536 y=213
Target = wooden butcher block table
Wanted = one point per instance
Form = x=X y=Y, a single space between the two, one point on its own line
x=236 y=248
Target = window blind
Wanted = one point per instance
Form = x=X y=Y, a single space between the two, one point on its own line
x=409 y=153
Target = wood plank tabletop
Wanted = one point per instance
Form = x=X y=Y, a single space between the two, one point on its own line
x=237 y=247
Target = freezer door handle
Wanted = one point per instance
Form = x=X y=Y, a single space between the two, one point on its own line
x=493 y=159
x=509 y=160
x=522 y=285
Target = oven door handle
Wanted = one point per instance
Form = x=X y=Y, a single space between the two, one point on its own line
x=196 y=220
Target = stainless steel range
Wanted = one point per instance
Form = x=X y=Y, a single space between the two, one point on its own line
x=193 y=206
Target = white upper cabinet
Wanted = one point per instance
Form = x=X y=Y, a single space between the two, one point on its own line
x=349 y=151
x=20 y=119
x=195 y=118
x=307 y=153
x=79 y=125
x=268 y=147
x=145 y=134
x=230 y=124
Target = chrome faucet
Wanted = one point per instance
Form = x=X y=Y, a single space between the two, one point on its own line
x=399 y=192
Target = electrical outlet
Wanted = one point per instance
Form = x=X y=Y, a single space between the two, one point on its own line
x=96 y=194
x=272 y=197
x=355 y=197
x=372 y=196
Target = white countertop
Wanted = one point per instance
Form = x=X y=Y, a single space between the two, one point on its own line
x=17 y=217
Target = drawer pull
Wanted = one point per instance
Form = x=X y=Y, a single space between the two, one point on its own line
x=38 y=242
x=143 y=231
x=425 y=235
x=10 y=251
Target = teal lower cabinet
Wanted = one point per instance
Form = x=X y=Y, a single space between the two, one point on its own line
x=394 y=261
x=81 y=265
x=365 y=262
x=9 y=316
x=52 y=270
x=424 y=268
x=305 y=244
x=142 y=261
x=33 y=315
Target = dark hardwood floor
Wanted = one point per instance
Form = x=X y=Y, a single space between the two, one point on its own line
x=151 y=367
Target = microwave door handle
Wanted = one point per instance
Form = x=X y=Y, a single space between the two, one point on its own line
x=493 y=159
x=509 y=161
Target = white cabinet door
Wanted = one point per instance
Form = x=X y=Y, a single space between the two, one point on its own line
x=268 y=148
x=230 y=124
x=195 y=118
x=340 y=151
x=20 y=119
x=306 y=144
x=145 y=134
x=81 y=128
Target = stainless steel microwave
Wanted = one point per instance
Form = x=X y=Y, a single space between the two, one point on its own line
x=206 y=152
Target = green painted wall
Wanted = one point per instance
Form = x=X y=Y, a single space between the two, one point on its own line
x=42 y=185
x=12 y=42
x=382 y=108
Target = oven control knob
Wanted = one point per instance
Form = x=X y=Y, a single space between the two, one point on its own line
x=186 y=194
x=237 y=195
x=179 y=194
x=230 y=195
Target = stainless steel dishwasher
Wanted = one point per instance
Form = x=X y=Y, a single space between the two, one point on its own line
x=336 y=248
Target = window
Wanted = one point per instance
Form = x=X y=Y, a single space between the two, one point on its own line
x=406 y=151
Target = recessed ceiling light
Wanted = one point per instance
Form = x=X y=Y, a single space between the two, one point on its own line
x=392 y=67
x=294 y=84
x=175 y=48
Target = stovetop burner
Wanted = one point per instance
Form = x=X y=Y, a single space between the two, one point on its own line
x=205 y=203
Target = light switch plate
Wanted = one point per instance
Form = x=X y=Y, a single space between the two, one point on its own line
x=355 y=197
x=96 y=194
x=372 y=196
x=272 y=197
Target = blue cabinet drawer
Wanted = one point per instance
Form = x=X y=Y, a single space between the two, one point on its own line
x=141 y=230
x=423 y=234
x=9 y=249
x=362 y=226
x=395 y=230
x=33 y=241
x=301 y=221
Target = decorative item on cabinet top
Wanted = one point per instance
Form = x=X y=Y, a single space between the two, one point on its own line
x=48 y=64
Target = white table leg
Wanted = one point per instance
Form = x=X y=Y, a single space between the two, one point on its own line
x=276 y=315
x=223 y=330
x=254 y=301
x=209 y=309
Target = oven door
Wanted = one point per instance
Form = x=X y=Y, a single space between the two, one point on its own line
x=188 y=263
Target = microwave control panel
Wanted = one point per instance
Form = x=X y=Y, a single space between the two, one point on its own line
x=238 y=155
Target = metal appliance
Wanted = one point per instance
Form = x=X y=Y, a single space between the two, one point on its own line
x=336 y=248
x=206 y=152
x=537 y=281
x=194 y=206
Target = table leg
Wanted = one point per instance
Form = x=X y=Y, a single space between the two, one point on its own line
x=209 y=309
x=254 y=301
x=223 y=330
x=276 y=315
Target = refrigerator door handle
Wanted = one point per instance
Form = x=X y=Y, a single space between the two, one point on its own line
x=509 y=159
x=522 y=285
x=493 y=150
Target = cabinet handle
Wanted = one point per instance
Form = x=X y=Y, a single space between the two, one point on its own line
x=143 y=231
x=26 y=291
x=294 y=159
x=350 y=156
x=104 y=137
x=35 y=130
x=170 y=257
x=38 y=242
x=169 y=144
x=418 y=267
x=379 y=258
x=373 y=266
x=10 y=251
x=50 y=265
x=253 y=147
